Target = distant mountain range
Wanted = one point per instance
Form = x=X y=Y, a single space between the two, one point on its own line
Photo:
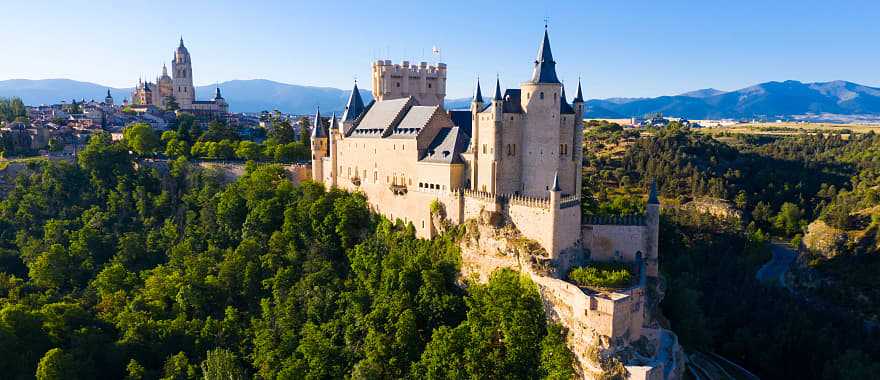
x=770 y=99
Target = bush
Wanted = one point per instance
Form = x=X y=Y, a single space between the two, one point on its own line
x=602 y=275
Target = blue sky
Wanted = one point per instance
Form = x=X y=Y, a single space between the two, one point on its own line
x=620 y=48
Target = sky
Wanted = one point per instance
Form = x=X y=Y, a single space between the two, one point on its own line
x=625 y=48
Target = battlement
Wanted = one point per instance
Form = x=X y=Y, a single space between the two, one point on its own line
x=426 y=83
x=618 y=220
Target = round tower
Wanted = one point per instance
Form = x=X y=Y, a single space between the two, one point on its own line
x=652 y=229
x=320 y=147
x=541 y=135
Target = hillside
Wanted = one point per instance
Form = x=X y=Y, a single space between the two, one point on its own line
x=769 y=99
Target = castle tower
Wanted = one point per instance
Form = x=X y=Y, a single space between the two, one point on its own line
x=108 y=100
x=555 y=204
x=182 y=83
x=332 y=149
x=319 y=147
x=652 y=227
x=476 y=107
x=577 y=151
x=541 y=135
x=427 y=84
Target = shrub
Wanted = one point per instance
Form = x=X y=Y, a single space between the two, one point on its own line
x=602 y=275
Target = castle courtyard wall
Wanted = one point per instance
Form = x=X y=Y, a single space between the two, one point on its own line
x=614 y=242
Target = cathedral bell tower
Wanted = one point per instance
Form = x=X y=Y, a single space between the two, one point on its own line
x=182 y=82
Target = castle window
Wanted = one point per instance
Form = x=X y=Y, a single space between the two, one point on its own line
x=429 y=86
x=484 y=148
x=398 y=84
x=542 y=96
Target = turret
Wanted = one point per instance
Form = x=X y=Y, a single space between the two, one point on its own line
x=332 y=144
x=319 y=147
x=476 y=107
x=652 y=229
x=109 y=99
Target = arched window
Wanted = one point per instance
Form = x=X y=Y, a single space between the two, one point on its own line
x=542 y=96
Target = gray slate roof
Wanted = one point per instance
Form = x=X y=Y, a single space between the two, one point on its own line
x=545 y=66
x=478 y=95
x=447 y=146
x=415 y=119
x=354 y=107
x=381 y=116
x=564 y=107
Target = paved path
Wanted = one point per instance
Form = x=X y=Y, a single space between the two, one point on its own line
x=774 y=270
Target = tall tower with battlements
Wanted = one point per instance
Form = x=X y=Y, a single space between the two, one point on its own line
x=425 y=83
x=182 y=82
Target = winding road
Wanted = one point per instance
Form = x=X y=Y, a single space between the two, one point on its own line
x=774 y=270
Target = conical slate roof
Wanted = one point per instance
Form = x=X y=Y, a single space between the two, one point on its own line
x=556 y=186
x=579 y=97
x=545 y=66
x=355 y=105
x=564 y=107
x=497 y=89
x=318 y=130
x=478 y=95
x=652 y=196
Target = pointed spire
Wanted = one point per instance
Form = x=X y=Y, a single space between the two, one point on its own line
x=181 y=41
x=497 y=88
x=652 y=196
x=108 y=93
x=318 y=130
x=164 y=70
x=579 y=97
x=217 y=94
x=556 y=186
x=562 y=97
x=333 y=123
x=545 y=66
x=478 y=94
x=355 y=106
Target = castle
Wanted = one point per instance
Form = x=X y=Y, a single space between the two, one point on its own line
x=515 y=157
x=177 y=92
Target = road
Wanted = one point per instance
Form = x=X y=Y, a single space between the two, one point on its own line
x=774 y=270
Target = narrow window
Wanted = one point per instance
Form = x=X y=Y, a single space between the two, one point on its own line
x=542 y=96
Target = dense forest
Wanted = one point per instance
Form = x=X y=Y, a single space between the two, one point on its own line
x=774 y=187
x=114 y=269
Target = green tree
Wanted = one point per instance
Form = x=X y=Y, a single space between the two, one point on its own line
x=789 y=220
x=56 y=365
x=170 y=103
x=141 y=138
x=249 y=150
x=222 y=364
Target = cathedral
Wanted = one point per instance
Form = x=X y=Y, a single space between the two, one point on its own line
x=177 y=92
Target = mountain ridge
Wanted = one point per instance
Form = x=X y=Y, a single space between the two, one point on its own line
x=769 y=99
